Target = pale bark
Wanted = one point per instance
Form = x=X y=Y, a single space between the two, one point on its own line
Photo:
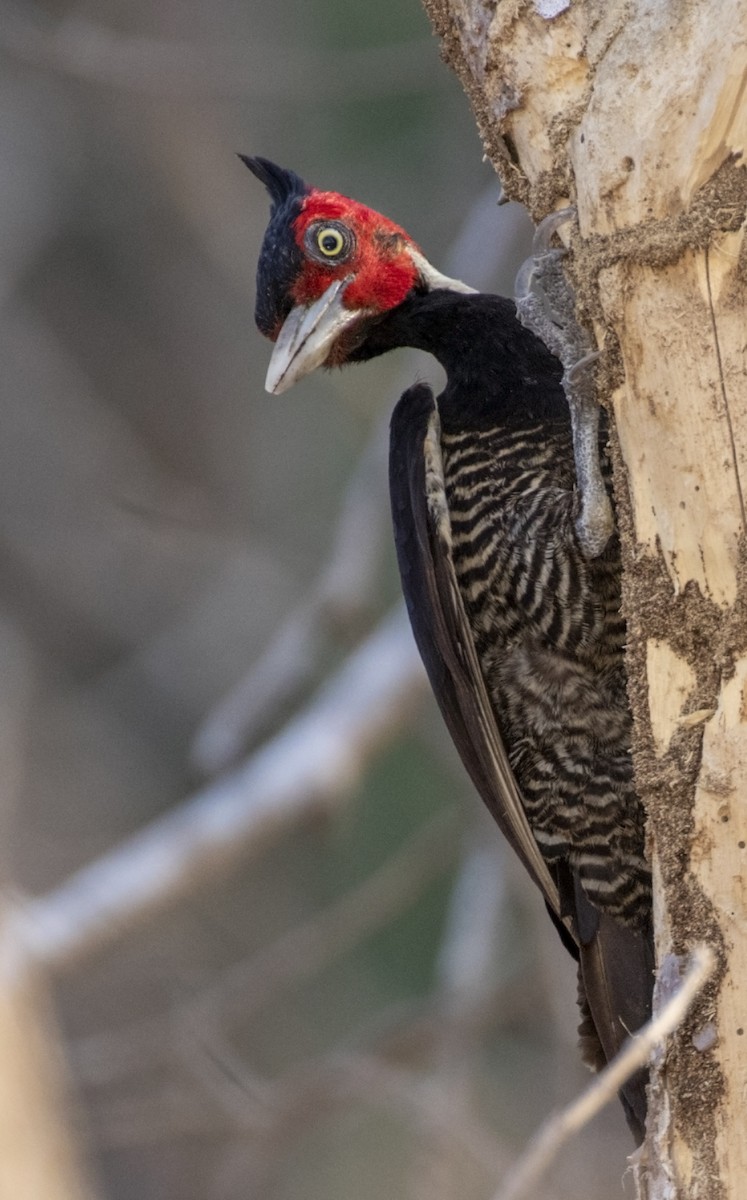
x=634 y=112
x=39 y=1155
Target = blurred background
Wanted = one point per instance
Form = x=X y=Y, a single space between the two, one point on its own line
x=370 y=1002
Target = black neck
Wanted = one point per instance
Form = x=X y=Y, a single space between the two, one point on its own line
x=496 y=369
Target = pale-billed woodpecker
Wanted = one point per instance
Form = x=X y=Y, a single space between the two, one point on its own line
x=518 y=625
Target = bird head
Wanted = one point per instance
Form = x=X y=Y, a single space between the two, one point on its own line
x=328 y=267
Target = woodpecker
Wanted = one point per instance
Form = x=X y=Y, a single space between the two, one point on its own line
x=518 y=626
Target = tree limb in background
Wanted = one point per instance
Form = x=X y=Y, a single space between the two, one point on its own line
x=313 y=762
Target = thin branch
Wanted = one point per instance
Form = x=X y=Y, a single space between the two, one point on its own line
x=561 y=1127
x=310 y=765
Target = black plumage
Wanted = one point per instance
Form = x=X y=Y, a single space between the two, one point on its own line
x=520 y=632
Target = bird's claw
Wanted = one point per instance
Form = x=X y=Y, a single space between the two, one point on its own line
x=574 y=373
x=543 y=257
x=546 y=228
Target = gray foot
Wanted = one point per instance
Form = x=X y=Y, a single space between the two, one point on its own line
x=545 y=304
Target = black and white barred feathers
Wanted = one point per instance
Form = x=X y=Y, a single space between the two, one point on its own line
x=550 y=639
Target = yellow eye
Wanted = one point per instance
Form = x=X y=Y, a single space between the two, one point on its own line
x=330 y=241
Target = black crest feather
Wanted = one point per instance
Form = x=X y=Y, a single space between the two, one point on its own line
x=281 y=184
x=280 y=259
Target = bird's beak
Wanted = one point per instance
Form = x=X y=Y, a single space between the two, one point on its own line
x=307 y=336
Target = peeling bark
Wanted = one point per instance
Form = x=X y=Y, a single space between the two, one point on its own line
x=635 y=113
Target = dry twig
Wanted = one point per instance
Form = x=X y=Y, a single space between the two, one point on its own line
x=562 y=1126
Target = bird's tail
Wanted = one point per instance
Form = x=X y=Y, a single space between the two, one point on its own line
x=616 y=975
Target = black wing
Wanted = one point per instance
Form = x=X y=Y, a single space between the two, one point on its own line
x=422 y=535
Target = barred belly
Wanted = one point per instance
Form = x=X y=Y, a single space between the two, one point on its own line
x=550 y=638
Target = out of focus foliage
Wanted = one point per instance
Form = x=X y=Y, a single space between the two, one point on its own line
x=159 y=517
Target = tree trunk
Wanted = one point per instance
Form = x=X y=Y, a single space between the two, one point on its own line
x=39 y=1158
x=39 y=1155
x=634 y=112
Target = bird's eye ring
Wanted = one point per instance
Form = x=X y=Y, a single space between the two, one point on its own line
x=330 y=241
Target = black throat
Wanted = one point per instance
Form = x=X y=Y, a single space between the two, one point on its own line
x=497 y=371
